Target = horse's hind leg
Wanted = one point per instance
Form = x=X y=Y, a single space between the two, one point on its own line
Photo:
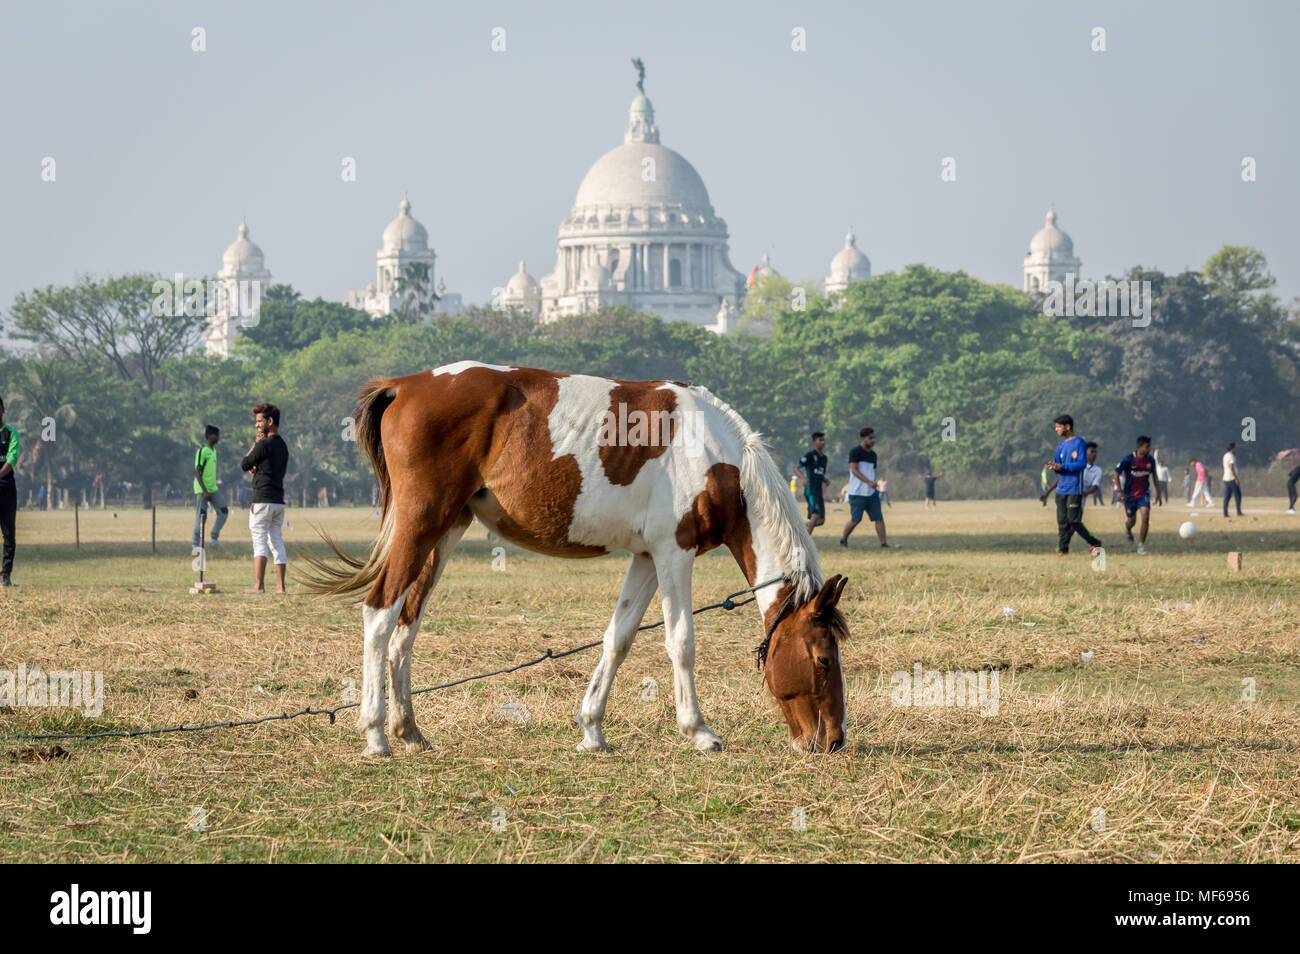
x=384 y=604
x=401 y=714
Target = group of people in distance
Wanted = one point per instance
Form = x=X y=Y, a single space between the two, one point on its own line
x=865 y=491
x=1076 y=477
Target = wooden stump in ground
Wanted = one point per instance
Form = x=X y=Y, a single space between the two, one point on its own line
x=1234 y=561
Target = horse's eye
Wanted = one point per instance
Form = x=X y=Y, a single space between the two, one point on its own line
x=825 y=663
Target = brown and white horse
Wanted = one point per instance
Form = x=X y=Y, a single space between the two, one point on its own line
x=577 y=466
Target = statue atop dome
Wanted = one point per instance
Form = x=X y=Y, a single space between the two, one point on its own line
x=640 y=74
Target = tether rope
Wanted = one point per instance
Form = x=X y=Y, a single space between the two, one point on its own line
x=729 y=603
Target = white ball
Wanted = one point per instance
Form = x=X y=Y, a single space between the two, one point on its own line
x=1187 y=530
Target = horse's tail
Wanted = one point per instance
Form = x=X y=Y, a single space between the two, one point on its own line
x=347 y=574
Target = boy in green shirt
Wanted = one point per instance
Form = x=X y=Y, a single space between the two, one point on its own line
x=206 y=490
x=8 y=494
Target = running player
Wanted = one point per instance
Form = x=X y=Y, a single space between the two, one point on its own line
x=813 y=466
x=1135 y=473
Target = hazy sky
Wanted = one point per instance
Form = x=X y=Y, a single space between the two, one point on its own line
x=160 y=149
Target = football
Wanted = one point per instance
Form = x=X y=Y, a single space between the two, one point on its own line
x=1187 y=530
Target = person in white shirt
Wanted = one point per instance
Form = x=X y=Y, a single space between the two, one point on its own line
x=1162 y=478
x=1231 y=482
x=1092 y=475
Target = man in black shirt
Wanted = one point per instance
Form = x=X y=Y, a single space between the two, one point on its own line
x=929 y=489
x=267 y=460
x=813 y=465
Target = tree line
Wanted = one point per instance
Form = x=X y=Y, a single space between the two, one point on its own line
x=955 y=374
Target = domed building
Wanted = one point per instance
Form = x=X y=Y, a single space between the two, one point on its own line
x=1050 y=258
x=643 y=233
x=523 y=292
x=241 y=282
x=848 y=265
x=763 y=270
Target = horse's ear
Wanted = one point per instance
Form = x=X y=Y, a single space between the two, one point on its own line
x=830 y=594
x=839 y=590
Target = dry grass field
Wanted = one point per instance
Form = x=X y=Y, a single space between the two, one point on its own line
x=1149 y=749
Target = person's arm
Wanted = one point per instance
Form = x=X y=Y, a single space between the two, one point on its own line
x=11 y=458
x=256 y=455
x=1043 y=495
x=1072 y=467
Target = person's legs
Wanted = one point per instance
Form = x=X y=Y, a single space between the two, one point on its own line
x=877 y=518
x=196 y=537
x=258 y=516
x=1074 y=511
x=1292 y=479
x=1064 y=530
x=857 y=504
x=1227 y=495
x=1146 y=523
x=274 y=532
x=1236 y=492
x=222 y=513
x=8 y=515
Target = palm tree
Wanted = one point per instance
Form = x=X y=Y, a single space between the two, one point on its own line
x=415 y=293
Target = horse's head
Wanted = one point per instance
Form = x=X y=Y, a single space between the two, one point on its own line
x=801 y=662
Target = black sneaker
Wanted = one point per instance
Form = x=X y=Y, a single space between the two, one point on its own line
x=1129 y=534
x=844 y=543
x=5 y=581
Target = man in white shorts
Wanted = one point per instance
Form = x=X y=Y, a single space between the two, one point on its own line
x=267 y=460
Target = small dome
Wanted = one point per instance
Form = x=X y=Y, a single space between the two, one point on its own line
x=594 y=277
x=243 y=255
x=849 y=264
x=522 y=286
x=1051 y=244
x=404 y=233
x=766 y=268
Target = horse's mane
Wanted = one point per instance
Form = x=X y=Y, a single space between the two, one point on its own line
x=767 y=495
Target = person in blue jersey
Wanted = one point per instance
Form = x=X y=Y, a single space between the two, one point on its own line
x=813 y=467
x=1133 y=475
x=1069 y=461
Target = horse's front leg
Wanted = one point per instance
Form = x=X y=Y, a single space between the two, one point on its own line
x=674 y=572
x=638 y=589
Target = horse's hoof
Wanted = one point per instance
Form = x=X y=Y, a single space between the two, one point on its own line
x=708 y=742
x=417 y=745
x=375 y=752
x=589 y=746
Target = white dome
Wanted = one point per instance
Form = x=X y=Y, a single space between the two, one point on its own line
x=1051 y=244
x=766 y=268
x=849 y=264
x=404 y=233
x=243 y=255
x=619 y=180
x=522 y=286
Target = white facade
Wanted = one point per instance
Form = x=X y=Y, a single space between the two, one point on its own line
x=242 y=262
x=642 y=233
x=405 y=242
x=848 y=265
x=1050 y=258
x=522 y=291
